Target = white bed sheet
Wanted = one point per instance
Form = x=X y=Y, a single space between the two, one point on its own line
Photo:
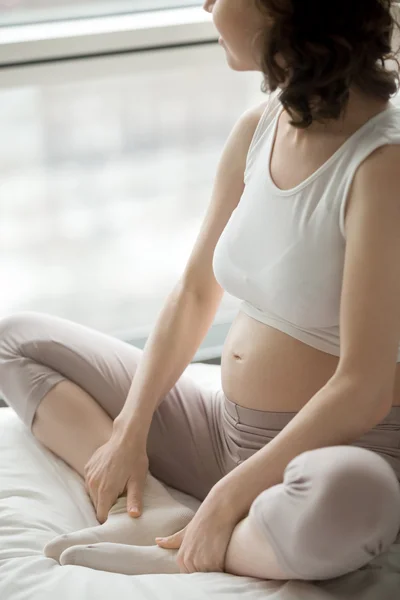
x=41 y=497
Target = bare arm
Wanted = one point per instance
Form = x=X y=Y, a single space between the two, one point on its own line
x=191 y=307
x=181 y=327
x=122 y=462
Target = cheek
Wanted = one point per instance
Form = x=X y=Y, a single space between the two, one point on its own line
x=236 y=34
x=227 y=19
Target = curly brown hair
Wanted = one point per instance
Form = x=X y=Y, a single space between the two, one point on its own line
x=328 y=48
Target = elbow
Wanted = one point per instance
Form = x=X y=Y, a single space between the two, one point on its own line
x=381 y=406
x=370 y=403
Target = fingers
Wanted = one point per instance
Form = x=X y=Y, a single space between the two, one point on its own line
x=101 y=497
x=172 y=541
x=105 y=500
x=91 y=484
x=89 y=492
x=134 y=500
x=91 y=489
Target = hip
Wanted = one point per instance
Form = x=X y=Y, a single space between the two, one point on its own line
x=244 y=431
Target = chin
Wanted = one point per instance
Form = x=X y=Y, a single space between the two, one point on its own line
x=238 y=65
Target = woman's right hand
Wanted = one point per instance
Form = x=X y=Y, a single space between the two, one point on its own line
x=114 y=469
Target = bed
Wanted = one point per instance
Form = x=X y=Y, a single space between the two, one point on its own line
x=41 y=497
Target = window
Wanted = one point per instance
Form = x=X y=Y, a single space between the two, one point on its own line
x=26 y=11
x=113 y=120
x=55 y=40
x=106 y=167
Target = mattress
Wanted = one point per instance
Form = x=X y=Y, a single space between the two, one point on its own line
x=41 y=497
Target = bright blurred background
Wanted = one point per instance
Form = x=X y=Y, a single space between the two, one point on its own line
x=107 y=163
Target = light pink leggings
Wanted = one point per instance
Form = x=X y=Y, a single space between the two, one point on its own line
x=337 y=507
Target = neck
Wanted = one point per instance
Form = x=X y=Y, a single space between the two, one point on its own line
x=359 y=109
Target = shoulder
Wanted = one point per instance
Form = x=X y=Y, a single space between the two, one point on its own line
x=385 y=158
x=376 y=181
x=251 y=127
x=243 y=134
x=379 y=172
x=252 y=117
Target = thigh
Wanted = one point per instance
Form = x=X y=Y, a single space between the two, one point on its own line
x=186 y=445
x=183 y=443
x=100 y=364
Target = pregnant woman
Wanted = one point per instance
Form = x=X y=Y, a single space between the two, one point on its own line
x=296 y=459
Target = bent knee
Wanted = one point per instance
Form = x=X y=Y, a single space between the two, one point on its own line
x=18 y=320
x=348 y=483
x=342 y=490
x=336 y=509
x=16 y=327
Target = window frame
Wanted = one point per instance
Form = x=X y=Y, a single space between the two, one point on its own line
x=24 y=45
x=105 y=65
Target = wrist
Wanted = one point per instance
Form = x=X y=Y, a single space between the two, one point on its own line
x=229 y=494
x=130 y=433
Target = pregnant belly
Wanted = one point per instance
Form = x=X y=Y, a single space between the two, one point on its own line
x=265 y=369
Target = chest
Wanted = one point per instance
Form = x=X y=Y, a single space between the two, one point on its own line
x=306 y=160
x=284 y=254
x=305 y=157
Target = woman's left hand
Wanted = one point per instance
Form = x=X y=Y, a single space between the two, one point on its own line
x=204 y=541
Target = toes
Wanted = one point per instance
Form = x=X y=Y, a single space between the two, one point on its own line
x=75 y=555
x=69 y=556
x=54 y=548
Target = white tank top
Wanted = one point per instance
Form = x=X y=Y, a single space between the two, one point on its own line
x=282 y=251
